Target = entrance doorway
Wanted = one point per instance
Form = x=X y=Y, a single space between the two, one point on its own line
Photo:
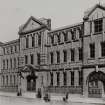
x=96 y=84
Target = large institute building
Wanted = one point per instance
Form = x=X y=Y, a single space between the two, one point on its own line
x=69 y=59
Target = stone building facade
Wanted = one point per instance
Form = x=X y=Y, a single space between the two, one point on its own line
x=69 y=59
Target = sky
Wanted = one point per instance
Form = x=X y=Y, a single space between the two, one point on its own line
x=14 y=13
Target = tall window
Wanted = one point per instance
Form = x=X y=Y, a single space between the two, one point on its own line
x=38 y=59
x=10 y=79
x=58 y=78
x=98 y=25
x=33 y=41
x=7 y=63
x=14 y=79
x=59 y=38
x=80 y=77
x=65 y=55
x=103 y=49
x=7 y=80
x=52 y=39
x=11 y=63
x=3 y=79
x=27 y=42
x=11 y=49
x=92 y=50
x=32 y=58
x=58 y=57
x=26 y=59
x=4 y=50
x=80 y=53
x=39 y=39
x=65 y=36
x=15 y=48
x=51 y=75
x=72 y=78
x=73 y=34
x=72 y=54
x=14 y=62
x=3 y=64
x=51 y=57
x=64 y=78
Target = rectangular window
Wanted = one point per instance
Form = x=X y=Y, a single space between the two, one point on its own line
x=98 y=25
x=92 y=50
x=72 y=78
x=33 y=41
x=64 y=78
x=65 y=55
x=38 y=59
x=32 y=58
x=80 y=53
x=3 y=64
x=58 y=57
x=15 y=48
x=72 y=54
x=103 y=49
x=52 y=39
x=39 y=40
x=59 y=38
x=26 y=59
x=51 y=75
x=80 y=77
x=11 y=63
x=58 y=78
x=27 y=42
x=11 y=49
x=51 y=57
x=14 y=62
x=7 y=63
x=65 y=36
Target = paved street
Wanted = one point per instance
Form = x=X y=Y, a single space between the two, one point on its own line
x=8 y=100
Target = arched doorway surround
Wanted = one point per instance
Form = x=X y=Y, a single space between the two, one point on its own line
x=96 y=84
x=31 y=77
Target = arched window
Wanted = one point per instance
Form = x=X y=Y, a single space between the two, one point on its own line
x=58 y=78
x=64 y=78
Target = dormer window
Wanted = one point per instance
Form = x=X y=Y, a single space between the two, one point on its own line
x=98 y=25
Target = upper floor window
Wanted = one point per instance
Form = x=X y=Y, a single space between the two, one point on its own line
x=14 y=62
x=65 y=55
x=103 y=49
x=38 y=59
x=98 y=25
x=59 y=38
x=51 y=57
x=33 y=41
x=3 y=64
x=11 y=49
x=11 y=63
x=15 y=48
x=39 y=39
x=52 y=39
x=80 y=53
x=64 y=78
x=7 y=63
x=4 y=50
x=80 y=77
x=32 y=58
x=27 y=42
x=72 y=78
x=58 y=57
x=58 y=78
x=72 y=54
x=51 y=75
x=26 y=59
x=92 y=50
x=65 y=36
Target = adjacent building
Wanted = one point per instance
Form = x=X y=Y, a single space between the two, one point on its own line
x=68 y=59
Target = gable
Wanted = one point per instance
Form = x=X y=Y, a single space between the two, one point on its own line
x=31 y=26
x=97 y=13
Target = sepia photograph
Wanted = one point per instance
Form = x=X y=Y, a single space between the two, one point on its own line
x=52 y=52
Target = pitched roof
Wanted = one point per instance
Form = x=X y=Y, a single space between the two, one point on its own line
x=90 y=10
x=31 y=18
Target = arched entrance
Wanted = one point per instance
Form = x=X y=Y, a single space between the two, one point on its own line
x=31 y=77
x=96 y=84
